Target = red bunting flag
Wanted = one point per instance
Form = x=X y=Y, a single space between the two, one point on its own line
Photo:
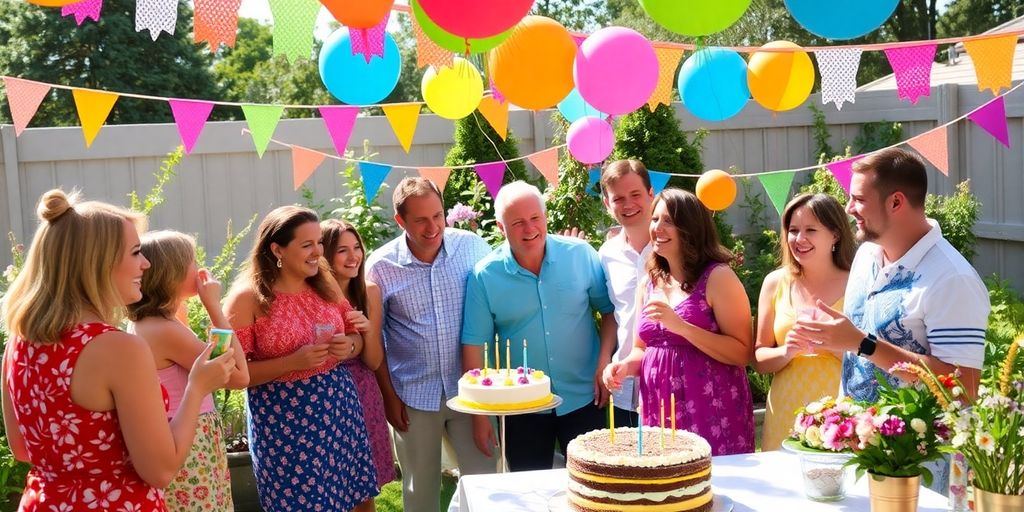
x=934 y=147
x=24 y=98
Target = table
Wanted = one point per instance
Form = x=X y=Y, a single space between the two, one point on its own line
x=766 y=481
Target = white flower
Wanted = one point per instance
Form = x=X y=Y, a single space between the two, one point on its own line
x=1021 y=342
x=813 y=436
x=919 y=425
x=813 y=408
x=1021 y=432
x=957 y=391
x=9 y=273
x=983 y=390
x=986 y=442
x=959 y=439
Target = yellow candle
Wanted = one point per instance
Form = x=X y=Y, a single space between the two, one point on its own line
x=662 y=414
x=508 y=356
x=497 y=354
x=611 y=417
x=486 y=350
x=673 y=412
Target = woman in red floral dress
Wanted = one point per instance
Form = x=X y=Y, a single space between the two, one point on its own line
x=82 y=402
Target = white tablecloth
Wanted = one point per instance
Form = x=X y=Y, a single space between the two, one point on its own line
x=767 y=481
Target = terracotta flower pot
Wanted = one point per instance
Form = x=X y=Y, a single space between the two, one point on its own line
x=985 y=501
x=893 y=493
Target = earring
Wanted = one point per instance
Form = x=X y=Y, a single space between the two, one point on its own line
x=833 y=250
x=281 y=264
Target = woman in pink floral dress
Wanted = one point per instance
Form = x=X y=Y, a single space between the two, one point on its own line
x=97 y=439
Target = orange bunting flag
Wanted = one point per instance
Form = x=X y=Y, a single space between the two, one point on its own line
x=93 y=109
x=24 y=98
x=668 y=62
x=934 y=147
x=403 y=118
x=438 y=175
x=547 y=163
x=428 y=53
x=993 y=61
x=496 y=113
x=304 y=162
x=216 y=22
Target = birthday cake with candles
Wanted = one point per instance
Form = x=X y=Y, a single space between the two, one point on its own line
x=505 y=389
x=652 y=469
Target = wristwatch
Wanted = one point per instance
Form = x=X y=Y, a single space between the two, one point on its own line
x=867 y=345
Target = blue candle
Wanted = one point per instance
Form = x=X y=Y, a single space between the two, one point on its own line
x=526 y=365
x=640 y=432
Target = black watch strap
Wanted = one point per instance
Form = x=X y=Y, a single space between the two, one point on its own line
x=867 y=345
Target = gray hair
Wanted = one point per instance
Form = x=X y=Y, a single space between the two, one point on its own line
x=513 y=191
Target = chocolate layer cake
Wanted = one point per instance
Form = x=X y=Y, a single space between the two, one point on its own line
x=612 y=477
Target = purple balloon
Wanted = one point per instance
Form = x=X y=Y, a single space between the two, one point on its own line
x=616 y=70
x=590 y=139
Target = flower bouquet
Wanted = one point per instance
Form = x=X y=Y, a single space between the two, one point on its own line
x=824 y=435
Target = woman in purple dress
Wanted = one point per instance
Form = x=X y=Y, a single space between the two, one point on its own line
x=694 y=333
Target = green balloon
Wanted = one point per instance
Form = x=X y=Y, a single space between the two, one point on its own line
x=451 y=41
x=695 y=17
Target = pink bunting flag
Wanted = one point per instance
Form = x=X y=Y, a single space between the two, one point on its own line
x=547 y=163
x=579 y=38
x=492 y=174
x=992 y=118
x=369 y=42
x=82 y=10
x=495 y=92
x=24 y=98
x=934 y=147
x=843 y=171
x=190 y=116
x=216 y=22
x=912 y=66
x=339 y=121
x=304 y=162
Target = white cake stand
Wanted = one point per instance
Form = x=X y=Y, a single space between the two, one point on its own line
x=455 y=405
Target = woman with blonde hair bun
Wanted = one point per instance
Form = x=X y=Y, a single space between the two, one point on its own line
x=96 y=439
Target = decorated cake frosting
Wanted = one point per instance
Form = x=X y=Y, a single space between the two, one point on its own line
x=606 y=476
x=504 y=389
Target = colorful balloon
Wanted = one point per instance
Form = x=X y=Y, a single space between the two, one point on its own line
x=533 y=67
x=780 y=80
x=449 y=41
x=476 y=18
x=716 y=189
x=713 y=84
x=616 y=70
x=590 y=140
x=361 y=14
x=695 y=17
x=453 y=92
x=52 y=3
x=350 y=78
x=574 y=107
x=841 y=19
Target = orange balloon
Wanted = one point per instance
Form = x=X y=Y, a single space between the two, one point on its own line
x=358 y=13
x=52 y=3
x=716 y=189
x=533 y=67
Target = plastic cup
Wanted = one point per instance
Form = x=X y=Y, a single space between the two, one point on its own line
x=220 y=338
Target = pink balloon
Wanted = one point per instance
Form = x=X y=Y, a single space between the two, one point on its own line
x=590 y=139
x=616 y=70
x=475 y=19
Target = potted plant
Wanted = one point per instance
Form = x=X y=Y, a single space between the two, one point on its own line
x=824 y=435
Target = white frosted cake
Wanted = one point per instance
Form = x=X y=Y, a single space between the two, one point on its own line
x=504 y=390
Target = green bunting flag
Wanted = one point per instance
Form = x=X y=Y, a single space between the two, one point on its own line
x=262 y=121
x=777 y=185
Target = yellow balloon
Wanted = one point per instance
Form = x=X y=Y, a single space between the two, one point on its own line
x=52 y=3
x=716 y=189
x=453 y=92
x=780 y=80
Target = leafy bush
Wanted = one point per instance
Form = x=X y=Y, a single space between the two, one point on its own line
x=373 y=223
x=956 y=215
x=570 y=204
x=656 y=139
x=1005 y=321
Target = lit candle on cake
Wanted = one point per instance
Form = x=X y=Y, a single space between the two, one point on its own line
x=526 y=367
x=497 y=355
x=508 y=356
x=672 y=405
x=611 y=417
x=486 y=350
x=662 y=415
x=640 y=430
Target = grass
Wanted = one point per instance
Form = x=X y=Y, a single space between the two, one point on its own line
x=390 y=497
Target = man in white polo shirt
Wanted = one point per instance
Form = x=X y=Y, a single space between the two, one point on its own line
x=911 y=296
x=627 y=194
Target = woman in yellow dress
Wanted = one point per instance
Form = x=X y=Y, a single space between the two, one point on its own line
x=816 y=257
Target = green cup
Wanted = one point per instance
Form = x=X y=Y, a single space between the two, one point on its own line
x=220 y=338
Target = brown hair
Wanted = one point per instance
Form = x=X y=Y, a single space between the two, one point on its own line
x=68 y=268
x=333 y=229
x=896 y=170
x=620 y=168
x=170 y=253
x=413 y=187
x=278 y=227
x=830 y=213
x=698 y=238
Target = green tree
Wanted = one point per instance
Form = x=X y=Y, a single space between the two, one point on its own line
x=579 y=15
x=656 y=139
x=972 y=17
x=38 y=44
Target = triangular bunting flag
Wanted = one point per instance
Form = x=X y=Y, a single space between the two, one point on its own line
x=993 y=61
x=912 y=66
x=304 y=162
x=547 y=163
x=369 y=42
x=668 y=61
x=403 y=118
x=492 y=174
x=838 y=69
x=843 y=171
x=294 y=21
x=339 y=121
x=82 y=10
x=777 y=186
x=24 y=98
x=992 y=118
x=438 y=175
x=934 y=147
x=496 y=114
x=156 y=16
x=216 y=22
x=658 y=180
x=190 y=117
x=93 y=109
x=262 y=120
x=428 y=53
x=373 y=175
x=593 y=178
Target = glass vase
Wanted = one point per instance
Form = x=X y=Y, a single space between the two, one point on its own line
x=824 y=477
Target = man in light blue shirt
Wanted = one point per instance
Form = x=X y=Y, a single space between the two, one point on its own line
x=422 y=277
x=542 y=289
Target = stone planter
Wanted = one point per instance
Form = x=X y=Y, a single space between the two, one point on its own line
x=243 y=483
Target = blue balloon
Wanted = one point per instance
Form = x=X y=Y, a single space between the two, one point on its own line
x=713 y=84
x=574 y=107
x=352 y=79
x=841 y=19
